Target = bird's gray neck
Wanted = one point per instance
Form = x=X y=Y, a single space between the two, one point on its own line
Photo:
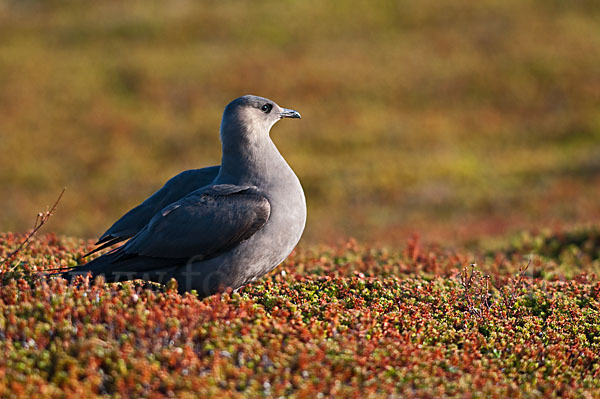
x=249 y=158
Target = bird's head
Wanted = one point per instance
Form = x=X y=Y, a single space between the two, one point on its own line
x=253 y=115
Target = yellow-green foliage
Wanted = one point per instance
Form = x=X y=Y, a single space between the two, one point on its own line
x=468 y=116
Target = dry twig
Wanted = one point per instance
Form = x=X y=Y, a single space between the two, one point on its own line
x=40 y=220
x=509 y=300
x=476 y=290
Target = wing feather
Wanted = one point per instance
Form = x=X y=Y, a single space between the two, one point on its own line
x=173 y=190
x=203 y=224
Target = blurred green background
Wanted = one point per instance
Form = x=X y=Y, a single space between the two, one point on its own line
x=453 y=119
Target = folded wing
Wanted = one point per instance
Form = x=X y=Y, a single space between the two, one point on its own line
x=203 y=224
x=173 y=190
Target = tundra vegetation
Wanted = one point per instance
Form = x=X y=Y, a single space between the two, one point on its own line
x=519 y=320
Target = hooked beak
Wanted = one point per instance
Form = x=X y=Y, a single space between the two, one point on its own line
x=289 y=113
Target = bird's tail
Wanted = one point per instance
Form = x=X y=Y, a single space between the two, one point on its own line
x=114 y=267
x=68 y=272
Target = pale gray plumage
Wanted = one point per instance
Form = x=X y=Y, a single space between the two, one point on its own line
x=216 y=227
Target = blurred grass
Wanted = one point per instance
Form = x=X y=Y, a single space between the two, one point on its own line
x=454 y=119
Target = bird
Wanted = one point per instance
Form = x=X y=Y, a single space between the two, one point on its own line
x=215 y=228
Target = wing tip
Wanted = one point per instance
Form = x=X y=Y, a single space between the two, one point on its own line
x=105 y=243
x=105 y=237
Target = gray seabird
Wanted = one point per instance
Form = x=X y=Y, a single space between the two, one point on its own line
x=216 y=227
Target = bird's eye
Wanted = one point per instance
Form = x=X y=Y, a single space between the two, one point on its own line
x=266 y=108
